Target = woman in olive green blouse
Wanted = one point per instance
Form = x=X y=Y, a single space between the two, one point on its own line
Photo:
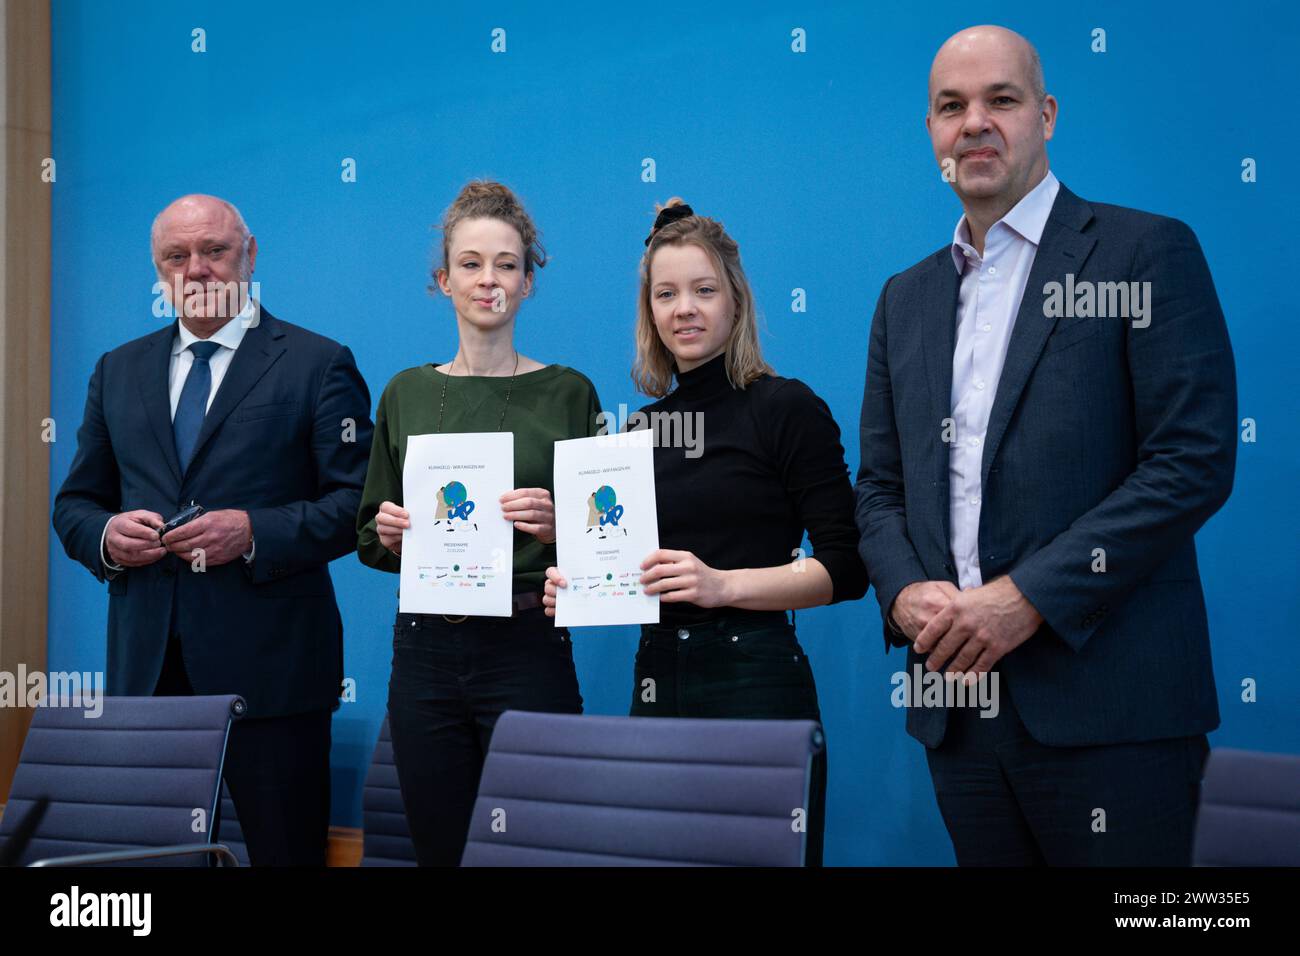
x=453 y=676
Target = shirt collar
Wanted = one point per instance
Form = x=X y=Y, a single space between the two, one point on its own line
x=1027 y=217
x=229 y=335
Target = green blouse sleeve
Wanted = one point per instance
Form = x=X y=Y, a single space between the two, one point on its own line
x=593 y=411
x=383 y=483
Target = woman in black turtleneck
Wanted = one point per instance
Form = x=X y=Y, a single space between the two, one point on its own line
x=745 y=462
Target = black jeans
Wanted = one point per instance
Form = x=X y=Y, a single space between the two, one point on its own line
x=739 y=664
x=450 y=683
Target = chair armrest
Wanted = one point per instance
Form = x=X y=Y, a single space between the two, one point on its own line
x=220 y=850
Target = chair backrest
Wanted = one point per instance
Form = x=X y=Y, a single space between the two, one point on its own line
x=229 y=830
x=1250 y=810
x=571 y=790
x=145 y=772
x=387 y=840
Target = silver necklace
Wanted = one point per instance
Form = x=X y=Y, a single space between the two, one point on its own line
x=442 y=403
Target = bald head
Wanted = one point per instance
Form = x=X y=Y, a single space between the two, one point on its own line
x=195 y=207
x=989 y=44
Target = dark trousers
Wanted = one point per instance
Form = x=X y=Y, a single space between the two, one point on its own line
x=278 y=772
x=450 y=683
x=1008 y=800
x=746 y=665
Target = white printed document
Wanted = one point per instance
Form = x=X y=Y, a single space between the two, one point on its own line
x=457 y=556
x=605 y=526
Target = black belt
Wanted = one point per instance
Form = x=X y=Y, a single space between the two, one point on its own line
x=523 y=601
x=723 y=619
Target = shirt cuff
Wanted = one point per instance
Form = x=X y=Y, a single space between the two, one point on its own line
x=103 y=554
x=252 y=550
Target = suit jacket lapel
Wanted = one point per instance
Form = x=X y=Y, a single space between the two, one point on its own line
x=939 y=333
x=1062 y=249
x=154 y=384
x=259 y=350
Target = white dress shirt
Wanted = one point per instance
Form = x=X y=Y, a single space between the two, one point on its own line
x=228 y=337
x=992 y=286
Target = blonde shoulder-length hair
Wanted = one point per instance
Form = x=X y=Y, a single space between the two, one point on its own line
x=652 y=371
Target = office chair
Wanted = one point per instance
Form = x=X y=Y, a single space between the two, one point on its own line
x=572 y=790
x=1250 y=810
x=137 y=785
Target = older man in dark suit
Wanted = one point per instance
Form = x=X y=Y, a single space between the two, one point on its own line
x=267 y=426
x=1049 y=416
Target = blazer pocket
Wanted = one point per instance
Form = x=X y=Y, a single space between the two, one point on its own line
x=252 y=413
x=1072 y=334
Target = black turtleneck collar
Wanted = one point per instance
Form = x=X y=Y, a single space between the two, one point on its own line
x=704 y=380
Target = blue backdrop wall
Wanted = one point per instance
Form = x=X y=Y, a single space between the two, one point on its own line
x=819 y=164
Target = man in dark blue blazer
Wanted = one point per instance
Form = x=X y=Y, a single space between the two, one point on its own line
x=266 y=426
x=1049 y=416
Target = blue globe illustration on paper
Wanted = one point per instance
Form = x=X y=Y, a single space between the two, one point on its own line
x=606 y=506
x=455 y=494
x=453 y=502
x=605 y=498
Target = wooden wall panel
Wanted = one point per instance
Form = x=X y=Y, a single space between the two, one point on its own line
x=24 y=355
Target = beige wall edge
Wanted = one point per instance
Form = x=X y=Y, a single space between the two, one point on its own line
x=24 y=355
